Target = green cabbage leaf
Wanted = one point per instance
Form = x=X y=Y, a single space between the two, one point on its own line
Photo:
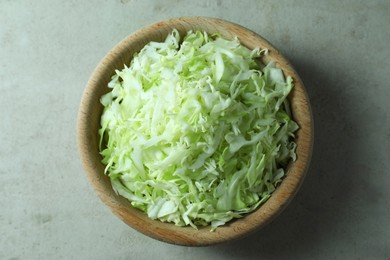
x=196 y=131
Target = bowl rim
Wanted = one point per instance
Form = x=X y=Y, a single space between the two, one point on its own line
x=168 y=232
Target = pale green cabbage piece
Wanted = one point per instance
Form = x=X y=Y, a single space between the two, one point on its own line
x=197 y=132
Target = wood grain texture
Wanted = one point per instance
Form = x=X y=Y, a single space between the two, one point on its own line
x=89 y=123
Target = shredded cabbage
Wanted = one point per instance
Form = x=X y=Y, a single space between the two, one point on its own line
x=197 y=132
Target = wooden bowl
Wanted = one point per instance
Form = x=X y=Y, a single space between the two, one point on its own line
x=89 y=123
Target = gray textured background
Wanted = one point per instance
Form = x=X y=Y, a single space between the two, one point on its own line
x=48 y=50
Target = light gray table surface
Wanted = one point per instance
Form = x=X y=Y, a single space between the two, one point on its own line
x=48 y=50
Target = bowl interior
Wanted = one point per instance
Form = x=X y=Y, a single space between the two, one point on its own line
x=89 y=123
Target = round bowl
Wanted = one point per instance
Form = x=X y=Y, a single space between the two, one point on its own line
x=89 y=123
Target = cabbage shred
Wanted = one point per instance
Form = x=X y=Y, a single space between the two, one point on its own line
x=197 y=132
